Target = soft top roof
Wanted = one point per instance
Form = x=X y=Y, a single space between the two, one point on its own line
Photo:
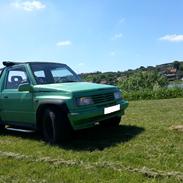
x=9 y=63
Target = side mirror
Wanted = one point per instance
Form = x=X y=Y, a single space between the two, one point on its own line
x=25 y=87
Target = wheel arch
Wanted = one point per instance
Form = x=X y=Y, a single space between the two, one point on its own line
x=57 y=105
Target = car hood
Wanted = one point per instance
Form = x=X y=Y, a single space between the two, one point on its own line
x=72 y=87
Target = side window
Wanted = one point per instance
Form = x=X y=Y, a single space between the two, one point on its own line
x=16 y=77
x=40 y=77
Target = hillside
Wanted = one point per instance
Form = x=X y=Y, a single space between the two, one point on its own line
x=172 y=71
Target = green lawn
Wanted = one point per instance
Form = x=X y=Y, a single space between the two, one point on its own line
x=142 y=149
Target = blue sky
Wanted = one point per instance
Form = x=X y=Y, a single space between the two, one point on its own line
x=92 y=35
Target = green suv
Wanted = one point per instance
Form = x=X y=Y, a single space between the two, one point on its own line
x=51 y=98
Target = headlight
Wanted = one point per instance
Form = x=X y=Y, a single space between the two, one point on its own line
x=84 y=101
x=117 y=95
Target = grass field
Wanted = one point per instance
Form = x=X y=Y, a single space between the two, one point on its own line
x=142 y=149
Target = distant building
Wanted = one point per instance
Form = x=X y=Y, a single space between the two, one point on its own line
x=171 y=77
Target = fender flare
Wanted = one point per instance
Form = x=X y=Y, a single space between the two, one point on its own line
x=59 y=104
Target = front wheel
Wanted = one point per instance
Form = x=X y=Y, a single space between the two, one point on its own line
x=112 y=122
x=2 y=127
x=56 y=126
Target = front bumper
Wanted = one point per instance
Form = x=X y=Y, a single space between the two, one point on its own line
x=89 y=116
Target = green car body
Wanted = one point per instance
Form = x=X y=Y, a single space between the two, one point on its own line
x=24 y=105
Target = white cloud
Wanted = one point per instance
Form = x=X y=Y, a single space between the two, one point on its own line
x=173 y=38
x=117 y=36
x=29 y=5
x=64 y=43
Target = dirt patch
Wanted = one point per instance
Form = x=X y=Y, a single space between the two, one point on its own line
x=177 y=128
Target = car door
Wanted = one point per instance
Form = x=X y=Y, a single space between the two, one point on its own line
x=17 y=105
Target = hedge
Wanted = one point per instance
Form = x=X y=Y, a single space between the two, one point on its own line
x=146 y=94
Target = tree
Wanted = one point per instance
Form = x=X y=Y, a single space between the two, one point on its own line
x=181 y=67
x=176 y=65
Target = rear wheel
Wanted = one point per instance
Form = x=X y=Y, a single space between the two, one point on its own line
x=112 y=122
x=56 y=126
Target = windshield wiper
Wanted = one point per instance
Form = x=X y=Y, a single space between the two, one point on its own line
x=69 y=81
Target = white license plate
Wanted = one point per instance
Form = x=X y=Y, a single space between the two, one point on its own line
x=111 y=109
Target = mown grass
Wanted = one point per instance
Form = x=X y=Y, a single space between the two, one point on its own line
x=142 y=149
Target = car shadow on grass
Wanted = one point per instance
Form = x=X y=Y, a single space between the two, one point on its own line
x=24 y=134
x=96 y=138
x=99 y=138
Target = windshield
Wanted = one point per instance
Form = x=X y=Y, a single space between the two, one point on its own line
x=48 y=73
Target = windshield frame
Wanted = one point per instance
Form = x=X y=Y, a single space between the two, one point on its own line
x=1 y=71
x=78 y=79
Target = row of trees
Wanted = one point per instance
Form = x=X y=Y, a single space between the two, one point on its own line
x=115 y=78
x=142 y=83
x=137 y=81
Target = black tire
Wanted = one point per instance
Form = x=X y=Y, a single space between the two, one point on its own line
x=56 y=126
x=112 y=122
x=2 y=127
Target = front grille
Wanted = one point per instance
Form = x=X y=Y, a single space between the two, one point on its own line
x=101 y=98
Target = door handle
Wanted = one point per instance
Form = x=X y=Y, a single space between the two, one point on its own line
x=5 y=96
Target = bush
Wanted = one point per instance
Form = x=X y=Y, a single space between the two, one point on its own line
x=141 y=80
x=147 y=94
